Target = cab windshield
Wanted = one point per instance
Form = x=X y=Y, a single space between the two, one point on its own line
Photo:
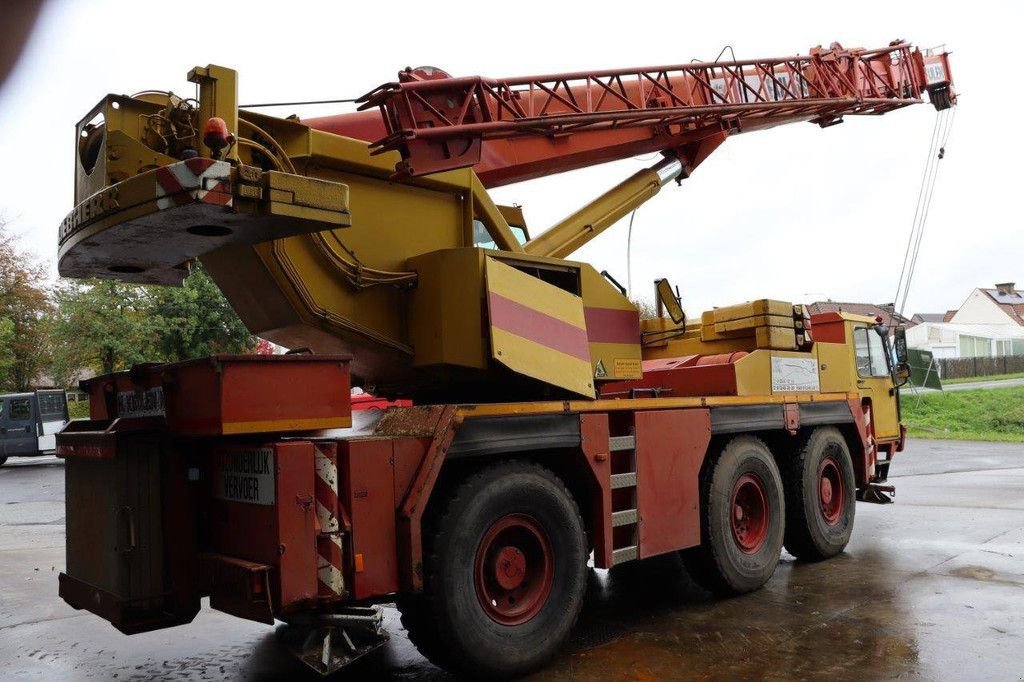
x=871 y=352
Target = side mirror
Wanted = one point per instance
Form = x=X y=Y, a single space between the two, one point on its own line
x=900 y=345
x=669 y=300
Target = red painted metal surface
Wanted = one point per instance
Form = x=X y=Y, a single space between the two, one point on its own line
x=612 y=325
x=225 y=394
x=831 y=496
x=368 y=492
x=441 y=422
x=863 y=454
x=513 y=569
x=557 y=122
x=368 y=401
x=750 y=516
x=791 y=417
x=256 y=393
x=670 y=449
x=594 y=443
x=408 y=456
x=287 y=529
x=690 y=375
x=828 y=328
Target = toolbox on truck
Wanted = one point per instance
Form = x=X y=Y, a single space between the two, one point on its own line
x=122 y=544
x=230 y=394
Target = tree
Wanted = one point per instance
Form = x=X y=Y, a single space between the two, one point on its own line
x=647 y=309
x=196 y=320
x=6 y=346
x=24 y=305
x=108 y=326
x=101 y=325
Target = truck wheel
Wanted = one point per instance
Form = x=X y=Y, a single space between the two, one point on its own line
x=820 y=496
x=742 y=519
x=504 y=574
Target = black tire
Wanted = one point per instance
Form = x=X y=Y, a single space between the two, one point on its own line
x=2 y=461
x=454 y=622
x=819 y=518
x=732 y=558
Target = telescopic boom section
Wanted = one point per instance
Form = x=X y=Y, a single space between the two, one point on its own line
x=520 y=128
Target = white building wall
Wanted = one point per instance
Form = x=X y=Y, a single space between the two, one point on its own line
x=943 y=339
x=979 y=308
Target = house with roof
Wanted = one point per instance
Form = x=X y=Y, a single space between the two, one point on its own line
x=989 y=323
x=886 y=312
x=1002 y=305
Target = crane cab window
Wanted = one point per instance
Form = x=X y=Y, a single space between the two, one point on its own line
x=870 y=353
x=482 y=238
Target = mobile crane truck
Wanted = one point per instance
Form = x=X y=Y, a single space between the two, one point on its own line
x=549 y=422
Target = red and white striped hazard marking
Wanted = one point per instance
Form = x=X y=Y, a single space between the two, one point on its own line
x=203 y=180
x=328 y=544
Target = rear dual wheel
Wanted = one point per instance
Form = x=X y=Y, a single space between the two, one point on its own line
x=742 y=519
x=504 y=574
x=820 y=496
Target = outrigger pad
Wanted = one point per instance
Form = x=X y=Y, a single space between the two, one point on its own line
x=327 y=647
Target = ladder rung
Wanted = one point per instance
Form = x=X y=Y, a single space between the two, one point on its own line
x=624 y=517
x=616 y=443
x=625 y=554
x=623 y=480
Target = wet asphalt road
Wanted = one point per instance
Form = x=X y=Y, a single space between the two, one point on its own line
x=930 y=588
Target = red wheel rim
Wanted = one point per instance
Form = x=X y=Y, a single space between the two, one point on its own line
x=513 y=571
x=831 y=496
x=750 y=513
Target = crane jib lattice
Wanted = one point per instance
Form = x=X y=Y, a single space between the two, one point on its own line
x=438 y=122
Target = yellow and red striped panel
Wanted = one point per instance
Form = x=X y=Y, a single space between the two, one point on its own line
x=613 y=329
x=537 y=329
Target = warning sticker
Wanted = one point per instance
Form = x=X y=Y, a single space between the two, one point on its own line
x=599 y=371
x=628 y=368
x=246 y=476
x=795 y=374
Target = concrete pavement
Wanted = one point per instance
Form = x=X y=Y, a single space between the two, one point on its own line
x=931 y=588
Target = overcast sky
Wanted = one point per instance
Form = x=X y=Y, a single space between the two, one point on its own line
x=796 y=213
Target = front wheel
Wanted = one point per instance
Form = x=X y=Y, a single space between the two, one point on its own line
x=742 y=519
x=504 y=574
x=820 y=496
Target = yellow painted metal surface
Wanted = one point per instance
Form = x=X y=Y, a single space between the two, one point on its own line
x=537 y=329
x=552 y=407
x=273 y=425
x=568 y=235
x=350 y=261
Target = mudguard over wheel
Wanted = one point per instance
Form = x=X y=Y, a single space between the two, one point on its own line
x=820 y=496
x=504 y=574
x=742 y=519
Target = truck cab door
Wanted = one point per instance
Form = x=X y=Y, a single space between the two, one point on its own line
x=874 y=381
x=18 y=427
